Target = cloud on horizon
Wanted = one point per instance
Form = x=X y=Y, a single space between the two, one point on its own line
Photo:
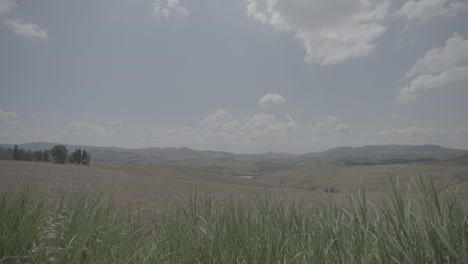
x=215 y=117
x=271 y=100
x=7 y=114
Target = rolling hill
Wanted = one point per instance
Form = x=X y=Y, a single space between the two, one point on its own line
x=366 y=155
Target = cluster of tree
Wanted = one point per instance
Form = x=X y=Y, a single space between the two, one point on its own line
x=58 y=154
x=24 y=155
x=79 y=157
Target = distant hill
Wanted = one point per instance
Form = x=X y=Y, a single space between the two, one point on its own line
x=391 y=152
x=140 y=156
x=366 y=155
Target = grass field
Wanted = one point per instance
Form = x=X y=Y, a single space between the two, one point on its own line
x=148 y=214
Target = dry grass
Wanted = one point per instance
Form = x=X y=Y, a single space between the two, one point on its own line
x=151 y=189
x=447 y=175
x=154 y=189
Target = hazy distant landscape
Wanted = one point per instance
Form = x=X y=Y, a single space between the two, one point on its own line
x=346 y=169
x=182 y=199
x=259 y=164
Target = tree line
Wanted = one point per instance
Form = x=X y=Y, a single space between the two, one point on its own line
x=57 y=154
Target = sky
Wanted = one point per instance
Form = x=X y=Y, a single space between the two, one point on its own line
x=244 y=76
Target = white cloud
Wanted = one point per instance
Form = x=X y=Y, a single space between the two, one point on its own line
x=117 y=123
x=25 y=29
x=257 y=133
x=270 y=100
x=7 y=115
x=77 y=128
x=177 y=133
x=332 y=124
x=78 y=132
x=342 y=128
x=325 y=125
x=415 y=135
x=262 y=125
x=423 y=10
x=436 y=60
x=256 y=127
x=410 y=132
x=215 y=117
x=182 y=137
x=169 y=8
x=440 y=68
x=6 y=6
x=232 y=125
x=331 y=31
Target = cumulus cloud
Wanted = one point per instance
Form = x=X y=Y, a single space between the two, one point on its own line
x=424 y=10
x=77 y=132
x=232 y=125
x=440 y=68
x=253 y=134
x=332 y=124
x=7 y=115
x=270 y=100
x=6 y=6
x=215 y=117
x=263 y=125
x=342 y=128
x=181 y=137
x=177 y=133
x=25 y=29
x=168 y=8
x=410 y=132
x=322 y=126
x=416 y=135
x=331 y=31
x=256 y=127
x=77 y=128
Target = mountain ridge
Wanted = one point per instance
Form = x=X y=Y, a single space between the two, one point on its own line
x=157 y=155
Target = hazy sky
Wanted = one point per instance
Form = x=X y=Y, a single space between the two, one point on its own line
x=241 y=76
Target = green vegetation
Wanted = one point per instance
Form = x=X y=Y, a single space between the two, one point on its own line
x=419 y=227
x=25 y=155
x=58 y=152
x=79 y=157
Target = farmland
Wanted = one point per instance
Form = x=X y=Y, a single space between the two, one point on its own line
x=120 y=213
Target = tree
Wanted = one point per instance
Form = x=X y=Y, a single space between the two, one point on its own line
x=71 y=158
x=21 y=154
x=27 y=155
x=37 y=155
x=46 y=156
x=16 y=153
x=6 y=154
x=77 y=156
x=85 y=158
x=59 y=153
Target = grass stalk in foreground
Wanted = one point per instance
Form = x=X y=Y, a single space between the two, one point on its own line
x=417 y=227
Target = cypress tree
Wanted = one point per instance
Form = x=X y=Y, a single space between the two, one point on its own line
x=16 y=153
x=85 y=158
